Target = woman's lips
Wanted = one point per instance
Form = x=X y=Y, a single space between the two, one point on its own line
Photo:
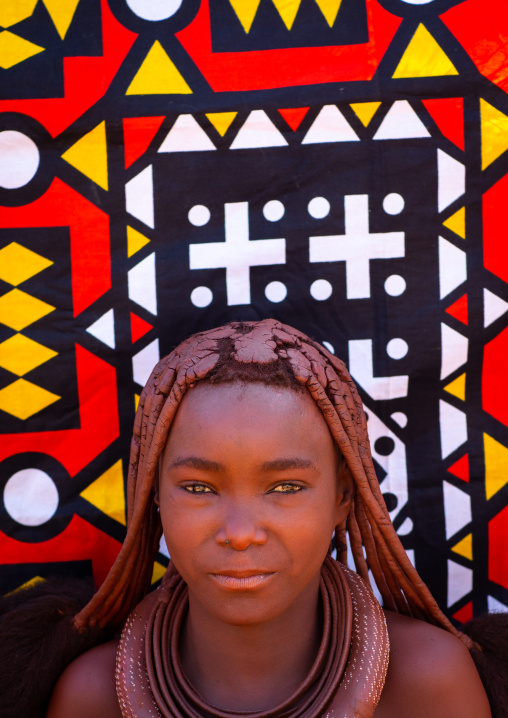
x=242 y=580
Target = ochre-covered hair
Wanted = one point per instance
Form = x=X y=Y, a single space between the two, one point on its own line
x=273 y=353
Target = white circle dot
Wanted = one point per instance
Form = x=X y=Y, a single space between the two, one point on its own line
x=201 y=297
x=329 y=347
x=276 y=291
x=19 y=159
x=397 y=348
x=199 y=215
x=31 y=497
x=321 y=289
x=393 y=203
x=154 y=10
x=400 y=418
x=395 y=285
x=273 y=210
x=318 y=207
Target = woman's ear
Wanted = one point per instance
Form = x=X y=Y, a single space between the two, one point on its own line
x=345 y=490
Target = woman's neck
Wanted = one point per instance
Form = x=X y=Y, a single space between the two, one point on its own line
x=253 y=667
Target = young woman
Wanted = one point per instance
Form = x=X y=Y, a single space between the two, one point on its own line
x=250 y=448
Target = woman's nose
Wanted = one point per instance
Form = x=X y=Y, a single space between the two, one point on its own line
x=241 y=528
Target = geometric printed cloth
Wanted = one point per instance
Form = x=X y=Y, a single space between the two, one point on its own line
x=171 y=165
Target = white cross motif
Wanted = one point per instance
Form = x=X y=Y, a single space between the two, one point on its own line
x=238 y=253
x=357 y=246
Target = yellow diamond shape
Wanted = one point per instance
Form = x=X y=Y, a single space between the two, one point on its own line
x=13 y=49
x=18 y=309
x=20 y=354
x=14 y=11
x=24 y=399
x=18 y=263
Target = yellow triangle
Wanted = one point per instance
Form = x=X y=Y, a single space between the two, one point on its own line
x=246 y=11
x=496 y=461
x=329 y=8
x=14 y=49
x=89 y=155
x=365 y=111
x=457 y=387
x=465 y=547
x=158 y=572
x=137 y=397
x=14 y=11
x=107 y=493
x=424 y=58
x=135 y=241
x=158 y=76
x=457 y=222
x=494 y=128
x=287 y=9
x=61 y=12
x=221 y=120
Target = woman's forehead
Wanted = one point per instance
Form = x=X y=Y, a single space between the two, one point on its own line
x=252 y=424
x=253 y=414
x=205 y=396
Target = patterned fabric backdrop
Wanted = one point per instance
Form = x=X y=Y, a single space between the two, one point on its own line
x=171 y=165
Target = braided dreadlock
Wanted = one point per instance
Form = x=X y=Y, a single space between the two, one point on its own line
x=254 y=351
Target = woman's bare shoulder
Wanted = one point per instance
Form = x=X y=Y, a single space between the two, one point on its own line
x=87 y=686
x=430 y=675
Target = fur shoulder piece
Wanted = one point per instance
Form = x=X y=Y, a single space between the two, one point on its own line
x=38 y=641
x=490 y=632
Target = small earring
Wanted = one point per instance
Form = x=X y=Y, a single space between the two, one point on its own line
x=226 y=542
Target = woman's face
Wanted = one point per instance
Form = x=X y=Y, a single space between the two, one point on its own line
x=250 y=492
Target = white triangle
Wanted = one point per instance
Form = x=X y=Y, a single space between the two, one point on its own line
x=400 y=418
x=258 y=131
x=142 y=284
x=452 y=267
x=163 y=548
x=460 y=582
x=496 y=606
x=405 y=528
x=401 y=122
x=186 y=136
x=453 y=426
x=104 y=329
x=330 y=126
x=454 y=348
x=457 y=506
x=144 y=361
x=139 y=196
x=451 y=180
x=493 y=307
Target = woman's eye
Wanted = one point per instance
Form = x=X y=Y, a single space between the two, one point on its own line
x=287 y=488
x=198 y=489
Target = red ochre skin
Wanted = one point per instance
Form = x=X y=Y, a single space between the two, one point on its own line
x=251 y=489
